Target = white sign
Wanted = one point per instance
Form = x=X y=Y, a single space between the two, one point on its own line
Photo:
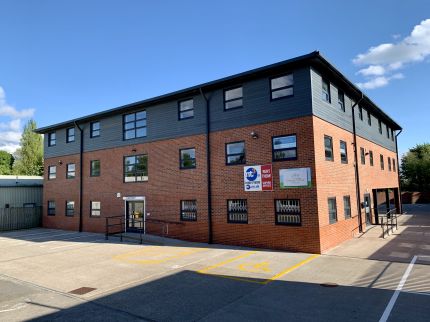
x=252 y=178
x=295 y=178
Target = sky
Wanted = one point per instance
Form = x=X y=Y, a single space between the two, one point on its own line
x=65 y=59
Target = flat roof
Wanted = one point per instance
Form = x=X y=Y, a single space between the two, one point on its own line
x=20 y=181
x=314 y=59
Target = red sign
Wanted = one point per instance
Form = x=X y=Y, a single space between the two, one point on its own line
x=266 y=177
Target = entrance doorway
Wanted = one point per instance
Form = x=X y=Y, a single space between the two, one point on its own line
x=367 y=209
x=135 y=215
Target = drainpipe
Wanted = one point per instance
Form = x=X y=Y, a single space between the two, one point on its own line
x=208 y=167
x=81 y=151
x=357 y=175
x=398 y=174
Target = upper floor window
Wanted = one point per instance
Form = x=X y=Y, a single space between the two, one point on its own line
x=360 y=113
x=134 y=125
x=136 y=168
x=389 y=163
x=394 y=165
x=187 y=158
x=188 y=210
x=287 y=212
x=371 y=158
x=363 y=156
x=52 y=140
x=71 y=171
x=70 y=208
x=381 y=159
x=233 y=98
x=341 y=100
x=237 y=211
x=95 y=168
x=326 y=91
x=343 y=152
x=282 y=86
x=95 y=208
x=369 y=118
x=388 y=132
x=284 y=147
x=186 y=109
x=328 y=147
x=235 y=153
x=95 y=129
x=332 y=210
x=52 y=172
x=51 y=208
x=70 y=135
x=380 y=126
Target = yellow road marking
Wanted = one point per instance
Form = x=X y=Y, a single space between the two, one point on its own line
x=171 y=255
x=254 y=268
x=204 y=270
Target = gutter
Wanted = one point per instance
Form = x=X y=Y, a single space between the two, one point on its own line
x=208 y=168
x=398 y=174
x=81 y=152
x=357 y=175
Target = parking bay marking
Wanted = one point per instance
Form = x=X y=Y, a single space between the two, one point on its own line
x=258 y=265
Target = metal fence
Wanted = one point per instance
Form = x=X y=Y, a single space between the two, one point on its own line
x=20 y=218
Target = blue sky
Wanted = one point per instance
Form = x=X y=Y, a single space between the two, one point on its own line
x=65 y=59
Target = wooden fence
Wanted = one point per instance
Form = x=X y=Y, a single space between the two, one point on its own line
x=20 y=218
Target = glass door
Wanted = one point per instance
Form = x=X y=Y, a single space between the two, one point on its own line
x=135 y=212
x=367 y=209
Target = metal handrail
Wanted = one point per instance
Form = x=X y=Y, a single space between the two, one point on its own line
x=390 y=222
x=121 y=223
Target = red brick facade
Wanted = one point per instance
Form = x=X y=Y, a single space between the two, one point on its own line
x=168 y=185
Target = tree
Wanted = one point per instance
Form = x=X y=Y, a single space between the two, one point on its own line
x=6 y=162
x=29 y=157
x=415 y=169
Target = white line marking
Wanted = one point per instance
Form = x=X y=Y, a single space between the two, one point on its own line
x=78 y=244
x=393 y=299
x=22 y=242
x=65 y=239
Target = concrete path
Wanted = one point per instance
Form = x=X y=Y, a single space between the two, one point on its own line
x=53 y=275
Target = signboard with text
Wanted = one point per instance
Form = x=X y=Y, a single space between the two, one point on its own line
x=258 y=178
x=295 y=178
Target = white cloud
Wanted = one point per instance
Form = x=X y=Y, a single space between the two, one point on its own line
x=385 y=58
x=10 y=131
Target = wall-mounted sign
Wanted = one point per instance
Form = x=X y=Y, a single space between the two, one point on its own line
x=295 y=178
x=258 y=178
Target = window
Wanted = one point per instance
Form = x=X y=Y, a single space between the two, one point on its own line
x=52 y=139
x=284 y=147
x=343 y=152
x=235 y=153
x=381 y=158
x=369 y=118
x=134 y=125
x=392 y=135
x=70 y=135
x=362 y=156
x=371 y=158
x=136 y=168
x=71 y=171
x=187 y=158
x=70 y=208
x=95 y=168
x=51 y=208
x=95 y=208
x=394 y=165
x=186 y=109
x=237 y=211
x=389 y=163
x=388 y=132
x=347 y=206
x=95 y=129
x=328 y=147
x=188 y=210
x=52 y=172
x=332 y=210
x=341 y=100
x=326 y=91
x=380 y=126
x=233 y=98
x=287 y=212
x=282 y=86
x=360 y=113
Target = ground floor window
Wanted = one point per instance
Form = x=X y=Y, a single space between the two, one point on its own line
x=332 y=210
x=188 y=210
x=347 y=206
x=70 y=208
x=287 y=212
x=95 y=208
x=237 y=211
x=51 y=208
